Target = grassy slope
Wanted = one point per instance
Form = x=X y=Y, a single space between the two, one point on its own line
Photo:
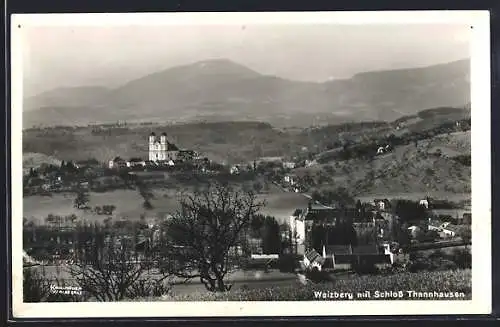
x=440 y=281
x=408 y=169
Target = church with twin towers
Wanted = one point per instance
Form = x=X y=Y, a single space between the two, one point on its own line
x=160 y=149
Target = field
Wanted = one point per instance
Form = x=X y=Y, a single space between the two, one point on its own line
x=129 y=204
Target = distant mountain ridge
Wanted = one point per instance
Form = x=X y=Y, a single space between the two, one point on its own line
x=220 y=89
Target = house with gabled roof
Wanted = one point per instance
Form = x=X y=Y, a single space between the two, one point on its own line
x=313 y=260
x=345 y=257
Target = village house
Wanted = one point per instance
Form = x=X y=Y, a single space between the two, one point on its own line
x=345 y=257
x=436 y=225
x=234 y=170
x=117 y=163
x=424 y=203
x=165 y=163
x=444 y=229
x=310 y=163
x=414 y=230
x=290 y=179
x=383 y=149
x=382 y=204
x=289 y=165
x=136 y=162
x=313 y=260
x=449 y=231
x=187 y=155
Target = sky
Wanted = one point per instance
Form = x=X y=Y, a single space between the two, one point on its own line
x=65 y=56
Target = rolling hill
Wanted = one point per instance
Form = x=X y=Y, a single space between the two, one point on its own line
x=220 y=89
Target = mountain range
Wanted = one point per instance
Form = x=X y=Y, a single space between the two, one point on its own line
x=221 y=89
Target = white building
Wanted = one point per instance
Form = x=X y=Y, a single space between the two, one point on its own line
x=298 y=229
x=290 y=179
x=234 y=170
x=161 y=149
x=424 y=203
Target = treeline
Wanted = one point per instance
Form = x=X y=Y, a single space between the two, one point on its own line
x=267 y=229
x=343 y=233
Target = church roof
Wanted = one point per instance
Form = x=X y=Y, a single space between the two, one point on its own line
x=172 y=147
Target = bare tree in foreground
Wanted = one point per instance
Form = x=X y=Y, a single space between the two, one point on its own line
x=203 y=237
x=116 y=274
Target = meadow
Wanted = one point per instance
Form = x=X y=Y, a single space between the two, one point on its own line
x=129 y=204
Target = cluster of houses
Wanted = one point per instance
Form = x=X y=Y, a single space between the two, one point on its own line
x=51 y=178
x=379 y=220
x=345 y=257
x=337 y=257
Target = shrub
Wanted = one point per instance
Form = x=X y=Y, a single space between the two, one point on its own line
x=287 y=263
x=318 y=276
x=365 y=268
x=462 y=258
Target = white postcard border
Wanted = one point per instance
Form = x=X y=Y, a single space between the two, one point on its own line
x=481 y=171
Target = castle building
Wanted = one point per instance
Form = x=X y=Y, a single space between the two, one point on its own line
x=161 y=149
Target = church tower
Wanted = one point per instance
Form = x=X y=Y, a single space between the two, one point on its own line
x=163 y=146
x=152 y=149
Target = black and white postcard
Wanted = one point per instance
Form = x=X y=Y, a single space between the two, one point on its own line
x=251 y=164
